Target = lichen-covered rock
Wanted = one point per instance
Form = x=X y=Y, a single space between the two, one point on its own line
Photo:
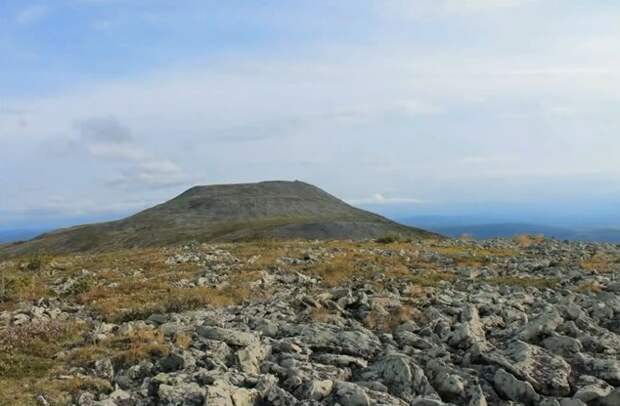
x=251 y=357
x=229 y=336
x=604 y=368
x=222 y=393
x=544 y=325
x=401 y=376
x=547 y=373
x=512 y=388
x=591 y=389
x=188 y=394
x=350 y=394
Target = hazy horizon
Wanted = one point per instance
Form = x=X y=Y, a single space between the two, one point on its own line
x=433 y=217
x=505 y=110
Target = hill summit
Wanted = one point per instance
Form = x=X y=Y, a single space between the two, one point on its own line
x=235 y=212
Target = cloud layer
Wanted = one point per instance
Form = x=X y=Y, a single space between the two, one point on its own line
x=429 y=104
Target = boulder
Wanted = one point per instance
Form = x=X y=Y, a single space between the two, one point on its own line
x=514 y=389
x=229 y=336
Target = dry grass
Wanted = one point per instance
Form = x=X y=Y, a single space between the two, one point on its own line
x=528 y=240
x=27 y=359
x=259 y=255
x=589 y=287
x=468 y=255
x=140 y=345
x=150 y=288
x=141 y=304
x=20 y=286
x=336 y=271
x=79 y=384
x=598 y=264
x=28 y=351
x=124 y=350
x=23 y=392
x=183 y=341
x=470 y=250
x=387 y=322
x=423 y=277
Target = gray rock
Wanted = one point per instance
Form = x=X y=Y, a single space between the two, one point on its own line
x=547 y=373
x=250 y=358
x=606 y=369
x=571 y=402
x=544 y=325
x=181 y=395
x=267 y=327
x=512 y=388
x=221 y=393
x=340 y=360
x=613 y=399
x=470 y=331
x=401 y=375
x=350 y=394
x=230 y=337
x=321 y=337
x=318 y=389
x=591 y=389
x=563 y=345
x=171 y=363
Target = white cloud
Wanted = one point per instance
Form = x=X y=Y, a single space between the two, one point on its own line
x=421 y=8
x=479 y=5
x=417 y=107
x=61 y=205
x=155 y=174
x=108 y=139
x=380 y=199
x=117 y=152
x=485 y=159
x=31 y=15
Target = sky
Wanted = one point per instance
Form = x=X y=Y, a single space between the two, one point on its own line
x=419 y=107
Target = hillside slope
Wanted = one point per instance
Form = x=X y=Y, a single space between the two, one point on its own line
x=277 y=209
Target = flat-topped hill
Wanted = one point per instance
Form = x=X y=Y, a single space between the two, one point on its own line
x=236 y=212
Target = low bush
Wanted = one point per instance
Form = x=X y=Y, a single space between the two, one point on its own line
x=392 y=238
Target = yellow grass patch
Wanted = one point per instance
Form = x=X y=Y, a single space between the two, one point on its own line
x=377 y=320
x=589 y=287
x=599 y=264
x=527 y=240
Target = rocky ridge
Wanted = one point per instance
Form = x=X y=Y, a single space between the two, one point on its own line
x=470 y=323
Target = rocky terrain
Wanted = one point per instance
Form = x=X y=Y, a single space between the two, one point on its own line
x=523 y=321
x=217 y=213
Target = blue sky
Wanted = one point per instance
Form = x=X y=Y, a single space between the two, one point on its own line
x=421 y=107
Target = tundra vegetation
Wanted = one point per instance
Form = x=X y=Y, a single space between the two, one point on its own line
x=101 y=327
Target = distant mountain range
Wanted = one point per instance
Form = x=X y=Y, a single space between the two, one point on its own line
x=457 y=228
x=265 y=210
